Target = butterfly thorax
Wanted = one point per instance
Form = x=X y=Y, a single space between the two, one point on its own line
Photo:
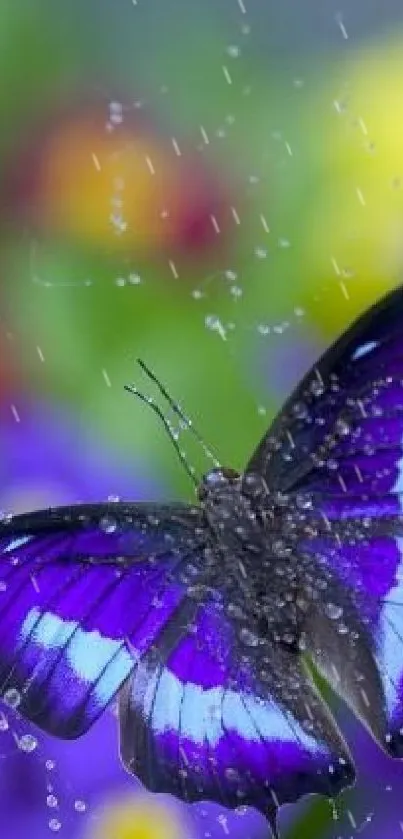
x=260 y=576
x=234 y=505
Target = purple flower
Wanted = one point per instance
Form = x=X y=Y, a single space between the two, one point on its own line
x=47 y=457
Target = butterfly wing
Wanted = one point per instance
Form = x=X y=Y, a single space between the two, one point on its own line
x=352 y=395
x=84 y=592
x=99 y=599
x=336 y=453
x=209 y=717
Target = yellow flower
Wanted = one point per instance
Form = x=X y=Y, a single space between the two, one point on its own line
x=354 y=243
x=144 y=818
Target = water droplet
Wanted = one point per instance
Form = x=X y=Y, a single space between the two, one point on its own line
x=342 y=427
x=80 y=806
x=333 y=611
x=108 y=524
x=27 y=743
x=12 y=698
x=248 y=637
x=288 y=637
x=280 y=548
x=304 y=502
x=52 y=801
x=55 y=825
x=233 y=50
x=300 y=410
x=316 y=388
x=302 y=644
x=214 y=323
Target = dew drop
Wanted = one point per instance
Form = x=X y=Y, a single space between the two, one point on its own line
x=300 y=410
x=108 y=524
x=55 y=825
x=27 y=743
x=52 y=801
x=333 y=611
x=317 y=387
x=342 y=427
x=248 y=637
x=233 y=51
x=304 y=502
x=288 y=637
x=12 y=698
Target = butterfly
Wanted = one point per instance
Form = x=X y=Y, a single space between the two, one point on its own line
x=205 y=620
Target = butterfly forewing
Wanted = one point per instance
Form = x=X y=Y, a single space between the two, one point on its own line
x=344 y=421
x=84 y=593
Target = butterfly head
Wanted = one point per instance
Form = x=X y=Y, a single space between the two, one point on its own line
x=217 y=481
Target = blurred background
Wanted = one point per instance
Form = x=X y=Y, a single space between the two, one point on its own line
x=216 y=187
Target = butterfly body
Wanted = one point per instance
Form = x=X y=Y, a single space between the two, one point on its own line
x=201 y=617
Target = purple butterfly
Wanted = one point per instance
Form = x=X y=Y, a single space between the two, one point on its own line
x=201 y=617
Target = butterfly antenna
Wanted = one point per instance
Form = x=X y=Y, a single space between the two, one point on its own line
x=178 y=411
x=168 y=427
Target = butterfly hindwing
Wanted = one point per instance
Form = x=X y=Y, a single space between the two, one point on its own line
x=208 y=718
x=84 y=592
x=362 y=548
